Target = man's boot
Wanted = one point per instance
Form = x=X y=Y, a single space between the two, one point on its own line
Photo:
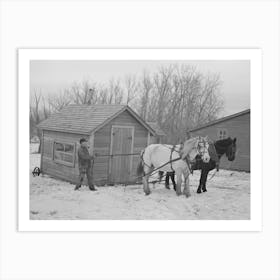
x=92 y=188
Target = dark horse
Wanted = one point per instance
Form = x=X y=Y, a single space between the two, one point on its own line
x=225 y=146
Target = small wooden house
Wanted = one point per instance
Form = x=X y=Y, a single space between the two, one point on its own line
x=236 y=125
x=109 y=129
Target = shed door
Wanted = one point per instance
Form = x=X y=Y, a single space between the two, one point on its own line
x=121 y=143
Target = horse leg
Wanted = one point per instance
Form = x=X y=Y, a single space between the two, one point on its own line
x=179 y=182
x=173 y=181
x=187 y=191
x=200 y=182
x=204 y=181
x=160 y=173
x=147 y=190
x=167 y=181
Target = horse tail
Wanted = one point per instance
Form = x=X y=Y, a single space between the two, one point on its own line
x=140 y=166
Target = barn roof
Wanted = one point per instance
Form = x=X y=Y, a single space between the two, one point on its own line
x=156 y=128
x=84 y=119
x=220 y=120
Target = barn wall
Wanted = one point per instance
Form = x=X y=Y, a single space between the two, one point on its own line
x=102 y=142
x=52 y=168
x=238 y=127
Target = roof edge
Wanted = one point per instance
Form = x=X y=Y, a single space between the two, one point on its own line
x=143 y=122
x=135 y=115
x=124 y=108
x=66 y=130
x=220 y=120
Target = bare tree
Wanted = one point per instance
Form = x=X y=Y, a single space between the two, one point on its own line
x=131 y=88
x=58 y=102
x=177 y=97
x=84 y=93
x=35 y=115
x=116 y=93
x=146 y=86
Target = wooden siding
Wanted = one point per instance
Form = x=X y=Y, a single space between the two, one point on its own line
x=238 y=127
x=55 y=169
x=102 y=143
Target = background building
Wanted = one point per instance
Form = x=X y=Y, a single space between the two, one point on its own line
x=236 y=125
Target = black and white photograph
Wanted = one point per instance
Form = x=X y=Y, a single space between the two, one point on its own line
x=140 y=139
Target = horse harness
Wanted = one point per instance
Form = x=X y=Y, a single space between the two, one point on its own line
x=153 y=171
x=173 y=149
x=186 y=159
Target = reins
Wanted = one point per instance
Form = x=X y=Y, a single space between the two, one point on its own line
x=116 y=155
x=213 y=175
x=173 y=149
x=156 y=169
x=170 y=161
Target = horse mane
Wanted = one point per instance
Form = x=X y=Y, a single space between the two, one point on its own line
x=193 y=139
x=224 y=142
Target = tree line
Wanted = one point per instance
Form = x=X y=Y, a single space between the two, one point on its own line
x=176 y=97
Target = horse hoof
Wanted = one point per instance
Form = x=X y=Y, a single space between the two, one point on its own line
x=147 y=193
x=198 y=191
x=179 y=193
x=167 y=187
x=204 y=190
x=187 y=195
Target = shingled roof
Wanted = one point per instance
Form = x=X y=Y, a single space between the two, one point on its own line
x=84 y=119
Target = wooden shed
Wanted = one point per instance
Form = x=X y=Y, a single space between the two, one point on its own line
x=236 y=125
x=109 y=129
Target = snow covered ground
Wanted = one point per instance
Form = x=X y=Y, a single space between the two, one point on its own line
x=228 y=197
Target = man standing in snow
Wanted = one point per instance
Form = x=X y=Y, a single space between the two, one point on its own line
x=85 y=165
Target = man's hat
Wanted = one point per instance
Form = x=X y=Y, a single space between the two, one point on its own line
x=83 y=140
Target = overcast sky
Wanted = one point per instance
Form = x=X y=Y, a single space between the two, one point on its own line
x=50 y=77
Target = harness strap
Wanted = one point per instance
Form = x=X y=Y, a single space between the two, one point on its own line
x=189 y=165
x=172 y=148
x=156 y=169
x=170 y=161
x=214 y=173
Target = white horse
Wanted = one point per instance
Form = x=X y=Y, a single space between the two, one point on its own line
x=168 y=158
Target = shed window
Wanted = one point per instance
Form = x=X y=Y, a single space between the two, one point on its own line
x=64 y=153
x=222 y=133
